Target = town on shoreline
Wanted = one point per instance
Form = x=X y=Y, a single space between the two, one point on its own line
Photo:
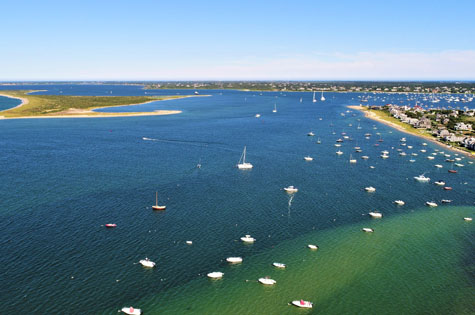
x=451 y=127
x=436 y=87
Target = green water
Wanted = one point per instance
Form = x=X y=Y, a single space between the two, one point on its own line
x=418 y=263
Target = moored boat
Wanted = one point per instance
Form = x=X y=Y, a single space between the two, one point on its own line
x=422 y=178
x=279 y=265
x=368 y=230
x=399 y=202
x=302 y=304
x=313 y=247
x=370 y=189
x=291 y=189
x=248 y=239
x=110 y=225
x=131 y=311
x=147 y=263
x=377 y=215
x=267 y=281
x=431 y=204
x=215 y=275
x=234 y=260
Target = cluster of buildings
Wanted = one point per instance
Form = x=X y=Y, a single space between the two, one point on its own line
x=447 y=125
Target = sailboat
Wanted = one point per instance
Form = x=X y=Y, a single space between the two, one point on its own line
x=157 y=207
x=275 y=108
x=314 y=100
x=322 y=98
x=244 y=165
x=300 y=100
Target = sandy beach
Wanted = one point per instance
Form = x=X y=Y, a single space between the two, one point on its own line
x=90 y=113
x=373 y=116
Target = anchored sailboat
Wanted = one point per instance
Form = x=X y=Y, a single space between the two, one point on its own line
x=242 y=161
x=322 y=98
x=157 y=207
x=314 y=100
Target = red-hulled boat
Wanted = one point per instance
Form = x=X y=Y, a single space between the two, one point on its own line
x=452 y=171
x=111 y=225
x=447 y=188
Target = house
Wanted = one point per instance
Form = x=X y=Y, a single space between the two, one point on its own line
x=463 y=127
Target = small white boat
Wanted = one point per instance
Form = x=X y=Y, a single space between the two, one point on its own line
x=234 y=260
x=275 y=108
x=409 y=146
x=352 y=160
x=412 y=161
x=267 y=281
x=446 y=201
x=377 y=215
x=368 y=230
x=459 y=165
x=312 y=247
x=258 y=115
x=291 y=189
x=242 y=164
x=248 y=239
x=371 y=166
x=303 y=304
x=322 y=98
x=370 y=189
x=414 y=154
x=438 y=166
x=337 y=144
x=365 y=157
x=424 y=143
x=339 y=152
x=156 y=206
x=422 y=178
x=279 y=265
x=402 y=154
x=423 y=151
x=430 y=157
x=310 y=134
x=399 y=202
x=147 y=263
x=467 y=219
x=131 y=311
x=440 y=183
x=384 y=156
x=215 y=275
x=308 y=158
x=189 y=243
x=431 y=204
x=403 y=140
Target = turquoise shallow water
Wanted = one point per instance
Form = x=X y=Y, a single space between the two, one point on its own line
x=62 y=179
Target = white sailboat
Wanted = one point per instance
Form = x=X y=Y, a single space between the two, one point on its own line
x=156 y=206
x=242 y=161
x=314 y=100
x=275 y=108
x=322 y=98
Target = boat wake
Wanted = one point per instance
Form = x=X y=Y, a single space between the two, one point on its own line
x=179 y=141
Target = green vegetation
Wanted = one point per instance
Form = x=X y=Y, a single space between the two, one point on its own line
x=47 y=105
x=384 y=115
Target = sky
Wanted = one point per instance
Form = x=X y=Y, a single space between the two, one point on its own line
x=237 y=40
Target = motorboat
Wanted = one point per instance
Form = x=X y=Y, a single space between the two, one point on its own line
x=422 y=178
x=371 y=166
x=310 y=134
x=447 y=188
x=337 y=144
x=431 y=204
x=258 y=115
x=339 y=140
x=446 y=201
x=403 y=140
x=452 y=171
x=370 y=189
x=365 y=157
x=412 y=161
x=215 y=275
x=291 y=189
x=267 y=281
x=131 y=311
x=399 y=202
x=352 y=161
x=156 y=206
x=440 y=183
x=312 y=247
x=414 y=154
x=459 y=165
x=242 y=164
x=279 y=265
x=409 y=146
x=424 y=144
x=339 y=152
x=402 y=154
x=368 y=230
x=423 y=151
x=430 y=157
x=234 y=260
x=110 y=225
x=248 y=239
x=189 y=243
x=302 y=304
x=384 y=156
x=147 y=263
x=308 y=158
x=467 y=219
x=438 y=166
x=376 y=215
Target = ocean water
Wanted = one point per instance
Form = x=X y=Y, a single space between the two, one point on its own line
x=63 y=179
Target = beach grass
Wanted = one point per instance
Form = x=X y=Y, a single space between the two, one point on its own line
x=49 y=105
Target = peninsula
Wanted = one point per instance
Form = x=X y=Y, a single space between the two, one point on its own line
x=450 y=128
x=61 y=106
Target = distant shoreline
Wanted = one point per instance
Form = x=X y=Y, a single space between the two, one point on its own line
x=372 y=116
x=91 y=113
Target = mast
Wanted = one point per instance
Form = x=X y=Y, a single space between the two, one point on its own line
x=156 y=198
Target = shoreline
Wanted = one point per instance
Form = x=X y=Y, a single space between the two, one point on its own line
x=372 y=116
x=91 y=113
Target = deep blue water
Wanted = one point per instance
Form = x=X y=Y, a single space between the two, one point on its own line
x=62 y=179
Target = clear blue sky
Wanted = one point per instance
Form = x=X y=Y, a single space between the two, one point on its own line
x=162 y=40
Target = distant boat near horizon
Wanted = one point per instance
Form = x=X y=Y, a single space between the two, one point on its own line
x=322 y=98
x=314 y=100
